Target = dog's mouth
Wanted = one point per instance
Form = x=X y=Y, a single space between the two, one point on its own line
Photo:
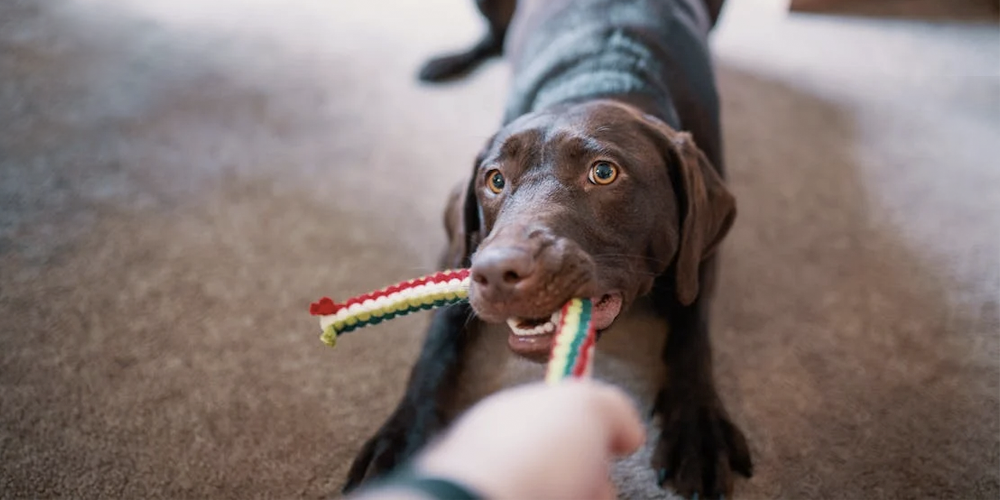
x=533 y=337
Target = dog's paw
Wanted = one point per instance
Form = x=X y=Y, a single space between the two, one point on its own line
x=380 y=455
x=699 y=450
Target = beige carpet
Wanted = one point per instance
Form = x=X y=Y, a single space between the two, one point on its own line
x=178 y=179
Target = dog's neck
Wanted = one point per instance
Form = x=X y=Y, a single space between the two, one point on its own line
x=627 y=356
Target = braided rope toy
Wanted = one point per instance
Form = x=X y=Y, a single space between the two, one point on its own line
x=572 y=351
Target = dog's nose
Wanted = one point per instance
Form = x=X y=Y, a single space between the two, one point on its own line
x=498 y=270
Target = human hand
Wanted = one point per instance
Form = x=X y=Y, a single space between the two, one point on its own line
x=539 y=441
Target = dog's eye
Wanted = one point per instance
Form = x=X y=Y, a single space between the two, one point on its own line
x=495 y=181
x=603 y=173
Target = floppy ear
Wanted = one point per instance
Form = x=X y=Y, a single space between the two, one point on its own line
x=707 y=210
x=461 y=223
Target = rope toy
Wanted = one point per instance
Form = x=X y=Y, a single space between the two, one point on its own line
x=572 y=351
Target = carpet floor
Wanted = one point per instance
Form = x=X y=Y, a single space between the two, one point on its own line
x=179 y=179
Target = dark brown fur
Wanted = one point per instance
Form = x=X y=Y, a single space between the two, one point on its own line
x=550 y=234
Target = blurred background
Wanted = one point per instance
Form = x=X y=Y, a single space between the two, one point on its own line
x=179 y=179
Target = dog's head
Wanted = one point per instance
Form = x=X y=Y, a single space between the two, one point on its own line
x=590 y=200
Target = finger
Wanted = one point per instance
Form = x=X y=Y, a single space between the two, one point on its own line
x=607 y=491
x=621 y=419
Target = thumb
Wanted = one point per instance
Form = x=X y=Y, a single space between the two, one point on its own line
x=626 y=432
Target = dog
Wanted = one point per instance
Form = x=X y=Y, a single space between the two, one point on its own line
x=606 y=180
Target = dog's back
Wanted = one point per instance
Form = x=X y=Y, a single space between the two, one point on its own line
x=655 y=52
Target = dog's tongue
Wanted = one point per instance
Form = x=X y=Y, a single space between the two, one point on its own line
x=605 y=310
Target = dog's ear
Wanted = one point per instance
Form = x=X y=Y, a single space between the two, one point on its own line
x=461 y=222
x=706 y=208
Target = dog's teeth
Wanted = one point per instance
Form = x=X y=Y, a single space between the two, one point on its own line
x=542 y=329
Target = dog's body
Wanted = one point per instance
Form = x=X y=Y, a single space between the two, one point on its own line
x=588 y=190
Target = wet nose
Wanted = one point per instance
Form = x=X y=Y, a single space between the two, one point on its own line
x=497 y=271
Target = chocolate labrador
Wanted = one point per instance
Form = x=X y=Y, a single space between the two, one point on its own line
x=590 y=189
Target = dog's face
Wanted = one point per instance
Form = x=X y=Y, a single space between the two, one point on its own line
x=591 y=200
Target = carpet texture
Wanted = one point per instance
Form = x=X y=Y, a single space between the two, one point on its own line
x=179 y=179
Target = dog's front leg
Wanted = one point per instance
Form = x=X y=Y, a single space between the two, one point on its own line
x=422 y=411
x=699 y=447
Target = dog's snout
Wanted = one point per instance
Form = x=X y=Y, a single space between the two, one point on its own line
x=498 y=270
x=525 y=270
